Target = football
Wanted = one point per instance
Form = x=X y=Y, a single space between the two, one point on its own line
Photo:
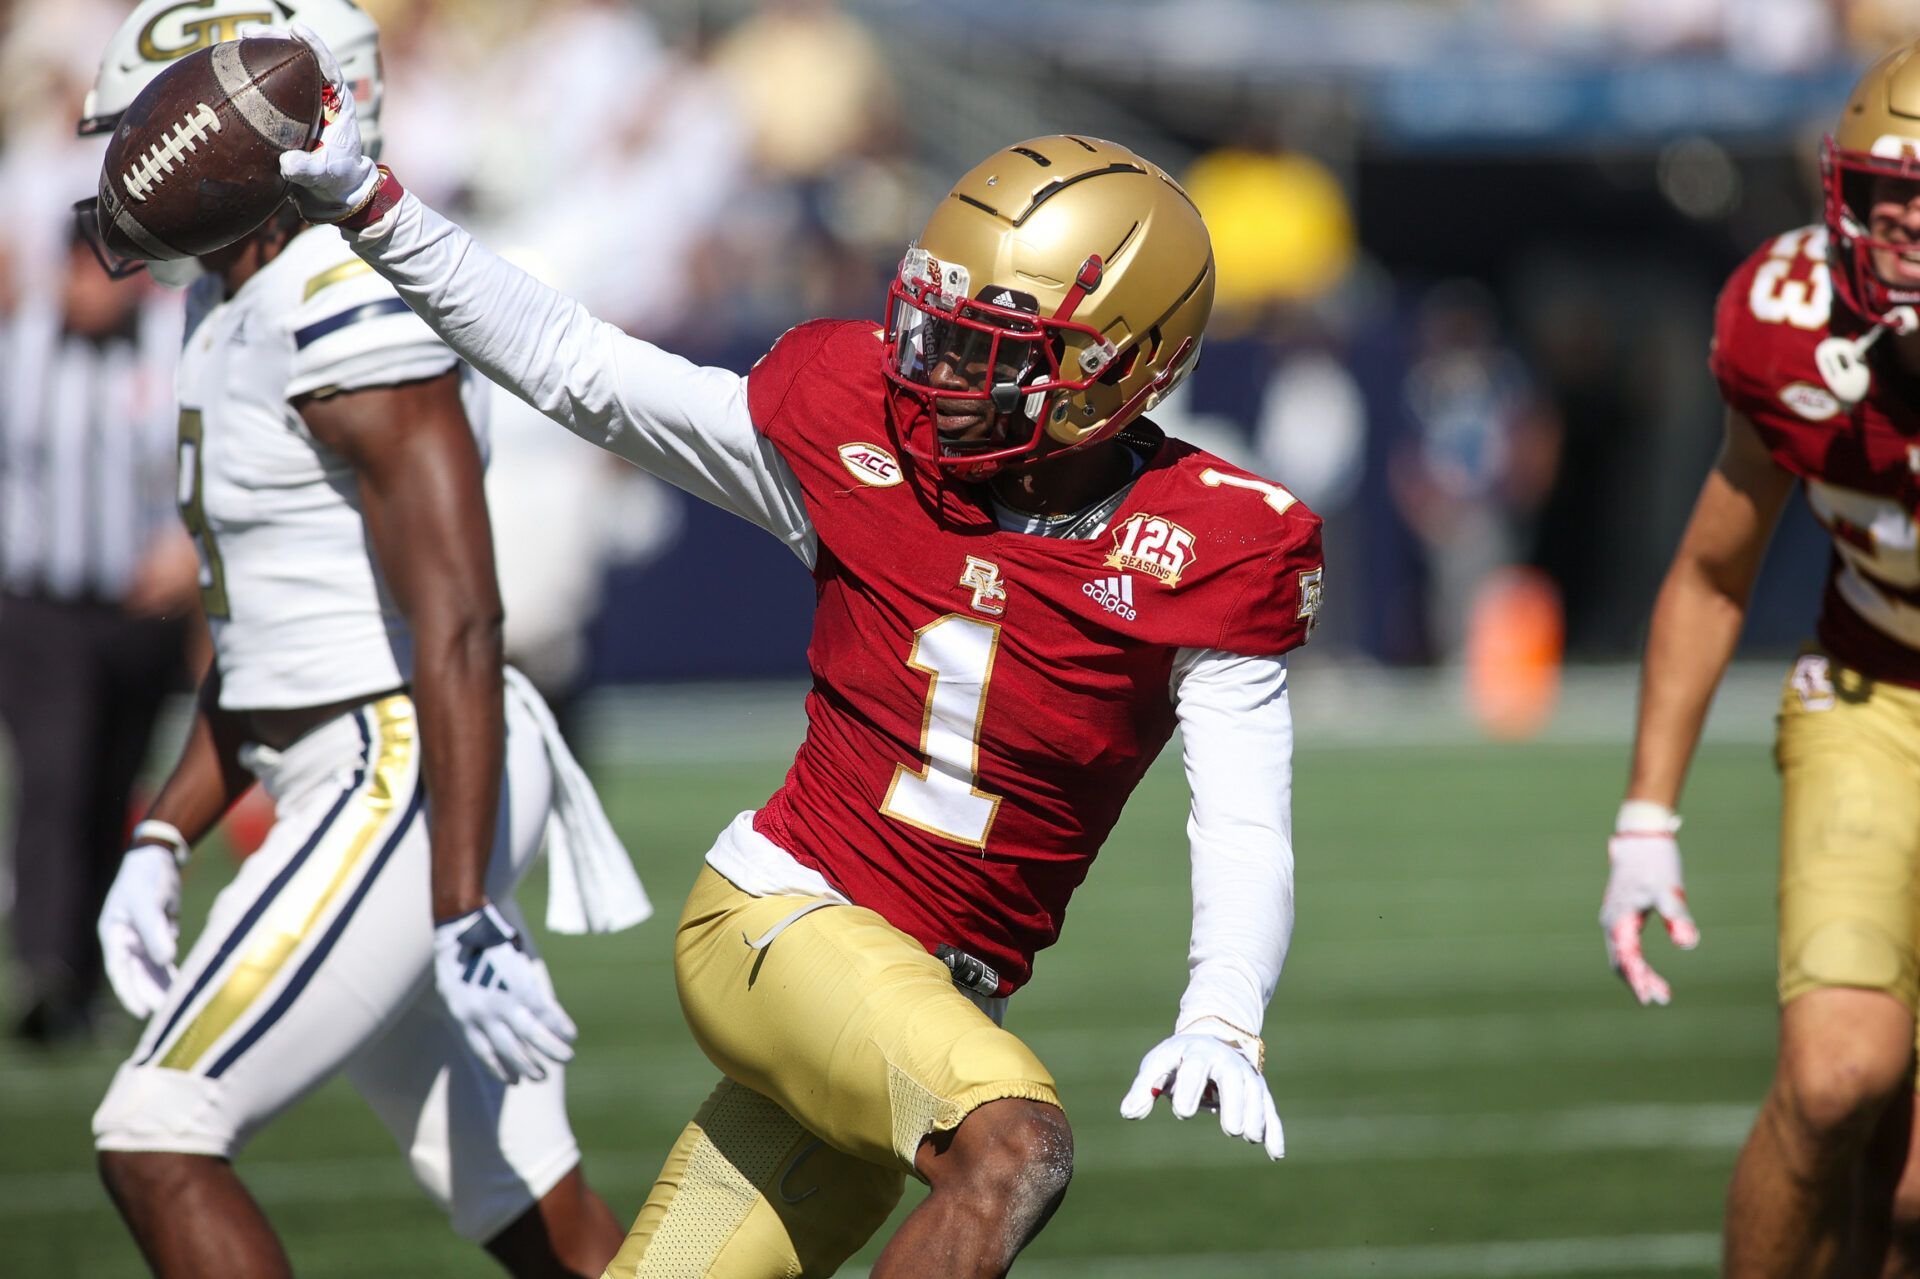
x=194 y=164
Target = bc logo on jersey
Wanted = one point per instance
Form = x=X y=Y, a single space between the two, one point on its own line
x=1310 y=597
x=982 y=577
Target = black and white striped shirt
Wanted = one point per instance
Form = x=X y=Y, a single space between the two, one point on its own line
x=86 y=450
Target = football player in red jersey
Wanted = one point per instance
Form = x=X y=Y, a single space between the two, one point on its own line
x=1817 y=353
x=1022 y=588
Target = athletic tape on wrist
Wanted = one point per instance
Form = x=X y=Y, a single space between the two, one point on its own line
x=1645 y=817
x=153 y=831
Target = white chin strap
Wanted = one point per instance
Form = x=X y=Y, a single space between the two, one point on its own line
x=175 y=273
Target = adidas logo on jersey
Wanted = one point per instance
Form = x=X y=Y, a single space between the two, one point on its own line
x=1115 y=594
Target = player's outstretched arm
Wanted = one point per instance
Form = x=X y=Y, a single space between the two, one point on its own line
x=687 y=424
x=1237 y=730
x=139 y=924
x=419 y=475
x=1696 y=622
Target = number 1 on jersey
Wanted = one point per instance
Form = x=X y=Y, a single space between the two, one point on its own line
x=957 y=653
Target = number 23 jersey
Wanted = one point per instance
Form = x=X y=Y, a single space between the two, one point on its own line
x=984 y=701
x=1861 y=466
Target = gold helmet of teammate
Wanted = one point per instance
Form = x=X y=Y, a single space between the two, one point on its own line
x=1878 y=138
x=1059 y=290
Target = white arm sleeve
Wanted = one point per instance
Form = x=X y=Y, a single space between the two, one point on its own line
x=687 y=424
x=1237 y=734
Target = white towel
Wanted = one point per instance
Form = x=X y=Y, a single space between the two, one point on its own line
x=591 y=884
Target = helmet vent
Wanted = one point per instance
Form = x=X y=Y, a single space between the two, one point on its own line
x=1033 y=155
x=984 y=208
x=1083 y=142
x=1055 y=187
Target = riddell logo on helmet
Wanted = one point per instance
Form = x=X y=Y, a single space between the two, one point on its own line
x=870 y=464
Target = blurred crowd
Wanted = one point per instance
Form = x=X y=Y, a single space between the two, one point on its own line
x=1774 y=34
x=706 y=174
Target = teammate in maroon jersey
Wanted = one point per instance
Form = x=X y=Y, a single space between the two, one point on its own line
x=1823 y=394
x=1022 y=588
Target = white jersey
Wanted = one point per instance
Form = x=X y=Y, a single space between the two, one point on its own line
x=299 y=612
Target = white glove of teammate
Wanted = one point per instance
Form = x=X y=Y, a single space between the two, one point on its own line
x=335 y=179
x=1221 y=1073
x=499 y=996
x=1645 y=877
x=140 y=928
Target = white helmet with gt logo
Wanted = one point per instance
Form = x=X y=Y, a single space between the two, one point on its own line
x=158 y=32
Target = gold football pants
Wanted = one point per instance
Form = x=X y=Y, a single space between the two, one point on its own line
x=1849 y=757
x=844 y=1044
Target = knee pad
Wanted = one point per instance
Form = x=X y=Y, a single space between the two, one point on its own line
x=153 y=1108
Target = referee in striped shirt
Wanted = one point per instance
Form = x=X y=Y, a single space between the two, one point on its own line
x=97 y=579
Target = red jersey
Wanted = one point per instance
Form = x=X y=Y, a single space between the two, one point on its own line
x=984 y=701
x=1861 y=467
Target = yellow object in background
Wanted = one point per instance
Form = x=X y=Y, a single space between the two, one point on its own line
x=1282 y=231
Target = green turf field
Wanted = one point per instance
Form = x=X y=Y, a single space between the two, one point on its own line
x=1466 y=1090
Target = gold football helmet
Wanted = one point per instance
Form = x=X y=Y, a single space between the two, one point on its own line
x=1878 y=138
x=1059 y=290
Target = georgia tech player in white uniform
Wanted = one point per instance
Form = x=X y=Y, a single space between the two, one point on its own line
x=330 y=474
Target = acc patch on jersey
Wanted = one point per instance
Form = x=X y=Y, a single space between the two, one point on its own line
x=870 y=464
x=1809 y=401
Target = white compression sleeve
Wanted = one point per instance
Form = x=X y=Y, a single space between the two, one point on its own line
x=685 y=423
x=1237 y=733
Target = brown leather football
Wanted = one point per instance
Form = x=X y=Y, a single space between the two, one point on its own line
x=195 y=162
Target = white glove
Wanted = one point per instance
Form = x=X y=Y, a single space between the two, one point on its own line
x=1645 y=877
x=499 y=996
x=1221 y=1073
x=140 y=928
x=335 y=179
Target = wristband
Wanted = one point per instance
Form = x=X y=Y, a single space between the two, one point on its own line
x=152 y=831
x=379 y=202
x=1645 y=817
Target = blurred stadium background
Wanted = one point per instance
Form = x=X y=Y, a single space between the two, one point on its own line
x=1468 y=255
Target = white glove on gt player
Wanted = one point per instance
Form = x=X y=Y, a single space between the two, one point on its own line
x=1645 y=877
x=140 y=928
x=500 y=996
x=336 y=179
x=1216 y=1065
